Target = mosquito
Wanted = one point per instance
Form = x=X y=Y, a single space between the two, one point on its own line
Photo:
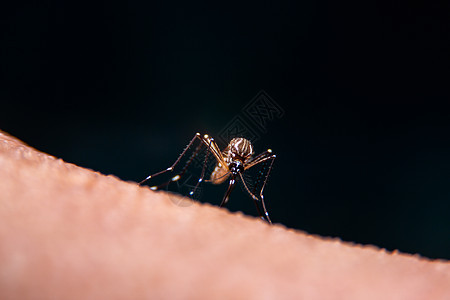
x=231 y=163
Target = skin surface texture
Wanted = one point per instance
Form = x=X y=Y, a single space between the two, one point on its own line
x=71 y=233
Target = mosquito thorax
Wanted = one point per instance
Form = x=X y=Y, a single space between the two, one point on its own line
x=239 y=149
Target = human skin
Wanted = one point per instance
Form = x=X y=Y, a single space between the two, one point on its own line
x=70 y=233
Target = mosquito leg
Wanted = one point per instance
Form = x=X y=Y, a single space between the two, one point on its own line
x=260 y=158
x=203 y=169
x=226 y=197
x=188 y=163
x=265 y=156
x=265 y=215
x=262 y=190
x=197 y=136
x=180 y=175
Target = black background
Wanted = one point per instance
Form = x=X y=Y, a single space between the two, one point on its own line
x=363 y=148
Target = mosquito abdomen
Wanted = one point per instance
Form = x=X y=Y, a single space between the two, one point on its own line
x=219 y=175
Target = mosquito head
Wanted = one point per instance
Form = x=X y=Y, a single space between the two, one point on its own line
x=236 y=167
x=240 y=149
